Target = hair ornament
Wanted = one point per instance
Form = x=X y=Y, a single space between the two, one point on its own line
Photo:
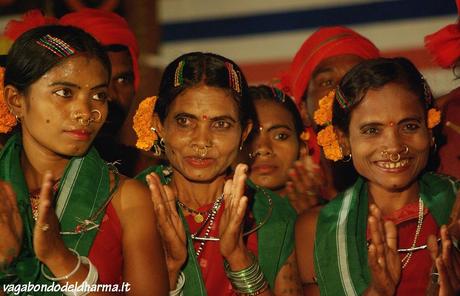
x=279 y=95
x=327 y=137
x=57 y=46
x=179 y=74
x=341 y=99
x=427 y=92
x=433 y=117
x=143 y=123
x=233 y=77
x=7 y=120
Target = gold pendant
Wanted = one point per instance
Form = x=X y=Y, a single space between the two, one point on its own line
x=198 y=218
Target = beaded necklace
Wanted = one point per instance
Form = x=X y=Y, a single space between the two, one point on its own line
x=209 y=221
x=406 y=258
x=197 y=215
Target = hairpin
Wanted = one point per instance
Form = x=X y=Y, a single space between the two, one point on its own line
x=233 y=77
x=178 y=75
x=343 y=102
x=57 y=46
x=278 y=94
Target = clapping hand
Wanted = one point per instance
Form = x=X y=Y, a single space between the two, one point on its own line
x=10 y=226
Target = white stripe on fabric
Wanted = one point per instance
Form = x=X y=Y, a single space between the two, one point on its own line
x=387 y=35
x=67 y=187
x=194 y=10
x=342 y=248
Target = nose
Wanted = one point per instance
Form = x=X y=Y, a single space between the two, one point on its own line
x=81 y=111
x=202 y=136
x=262 y=146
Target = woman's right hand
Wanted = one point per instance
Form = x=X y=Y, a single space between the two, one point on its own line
x=10 y=226
x=383 y=257
x=170 y=226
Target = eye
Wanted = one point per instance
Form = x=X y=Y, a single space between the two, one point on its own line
x=124 y=79
x=370 y=131
x=281 y=136
x=101 y=96
x=183 y=121
x=221 y=124
x=64 y=92
x=411 y=127
x=326 y=83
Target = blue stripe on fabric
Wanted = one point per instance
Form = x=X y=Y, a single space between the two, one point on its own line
x=305 y=19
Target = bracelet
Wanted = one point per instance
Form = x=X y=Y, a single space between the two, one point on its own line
x=249 y=281
x=179 y=286
x=67 y=276
x=91 y=279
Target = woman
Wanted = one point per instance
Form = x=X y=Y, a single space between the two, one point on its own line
x=278 y=158
x=206 y=219
x=383 y=120
x=71 y=218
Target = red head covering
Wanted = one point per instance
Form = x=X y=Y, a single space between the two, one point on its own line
x=108 y=28
x=444 y=45
x=31 y=19
x=325 y=43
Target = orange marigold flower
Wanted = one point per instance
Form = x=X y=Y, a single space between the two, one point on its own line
x=7 y=120
x=305 y=136
x=327 y=138
x=143 y=122
x=323 y=115
x=434 y=117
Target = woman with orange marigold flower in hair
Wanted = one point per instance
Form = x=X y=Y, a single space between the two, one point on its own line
x=380 y=236
x=222 y=234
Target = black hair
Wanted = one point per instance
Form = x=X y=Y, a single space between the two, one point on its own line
x=27 y=60
x=274 y=94
x=375 y=74
x=198 y=68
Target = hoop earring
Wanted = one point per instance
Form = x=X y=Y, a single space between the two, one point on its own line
x=98 y=113
x=347 y=158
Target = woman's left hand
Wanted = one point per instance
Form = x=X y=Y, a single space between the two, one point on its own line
x=47 y=239
x=230 y=229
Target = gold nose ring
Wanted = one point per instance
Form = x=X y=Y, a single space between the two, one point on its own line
x=99 y=115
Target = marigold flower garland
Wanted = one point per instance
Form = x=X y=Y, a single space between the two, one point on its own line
x=327 y=137
x=7 y=120
x=143 y=122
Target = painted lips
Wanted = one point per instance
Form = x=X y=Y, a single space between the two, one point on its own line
x=199 y=163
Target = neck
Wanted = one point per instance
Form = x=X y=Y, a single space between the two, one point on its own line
x=197 y=194
x=36 y=160
x=390 y=201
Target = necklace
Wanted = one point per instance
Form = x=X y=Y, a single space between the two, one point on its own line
x=406 y=258
x=197 y=215
x=209 y=222
x=34 y=197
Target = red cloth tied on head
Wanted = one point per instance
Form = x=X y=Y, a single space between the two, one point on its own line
x=30 y=20
x=444 y=45
x=109 y=29
x=325 y=43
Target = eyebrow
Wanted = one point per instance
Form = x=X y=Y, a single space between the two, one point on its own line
x=322 y=70
x=375 y=123
x=215 y=118
x=277 y=126
x=70 y=84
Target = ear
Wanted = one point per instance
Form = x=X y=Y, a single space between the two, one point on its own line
x=344 y=142
x=14 y=100
x=156 y=122
x=246 y=131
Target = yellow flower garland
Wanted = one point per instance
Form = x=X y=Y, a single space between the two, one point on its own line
x=7 y=120
x=143 y=122
x=433 y=118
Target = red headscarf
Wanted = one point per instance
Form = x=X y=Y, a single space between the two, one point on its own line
x=108 y=28
x=325 y=43
x=31 y=19
x=444 y=45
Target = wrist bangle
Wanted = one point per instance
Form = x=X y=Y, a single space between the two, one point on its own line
x=91 y=279
x=179 y=286
x=248 y=281
x=67 y=276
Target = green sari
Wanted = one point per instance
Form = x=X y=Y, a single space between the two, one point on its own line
x=275 y=237
x=83 y=192
x=340 y=254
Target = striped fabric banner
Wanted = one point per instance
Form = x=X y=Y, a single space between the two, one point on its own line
x=263 y=35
